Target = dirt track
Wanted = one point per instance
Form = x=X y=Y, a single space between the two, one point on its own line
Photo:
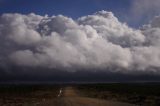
x=68 y=97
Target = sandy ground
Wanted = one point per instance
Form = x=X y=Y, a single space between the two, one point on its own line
x=68 y=97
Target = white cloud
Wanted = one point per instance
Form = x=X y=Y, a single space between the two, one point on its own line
x=21 y=28
x=96 y=41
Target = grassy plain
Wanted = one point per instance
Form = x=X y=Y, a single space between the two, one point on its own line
x=144 y=94
x=21 y=95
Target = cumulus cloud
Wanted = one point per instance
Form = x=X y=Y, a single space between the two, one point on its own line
x=98 y=41
x=20 y=28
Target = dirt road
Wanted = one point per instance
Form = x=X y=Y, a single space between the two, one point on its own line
x=68 y=97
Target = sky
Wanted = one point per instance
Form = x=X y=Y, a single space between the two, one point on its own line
x=123 y=9
x=85 y=40
x=72 y=8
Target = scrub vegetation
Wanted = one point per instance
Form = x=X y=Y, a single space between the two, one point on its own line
x=14 y=95
x=147 y=94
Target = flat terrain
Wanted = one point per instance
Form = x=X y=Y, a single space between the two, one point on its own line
x=114 y=94
x=141 y=94
x=60 y=96
x=69 y=97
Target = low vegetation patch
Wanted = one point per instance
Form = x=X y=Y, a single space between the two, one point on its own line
x=26 y=94
x=147 y=94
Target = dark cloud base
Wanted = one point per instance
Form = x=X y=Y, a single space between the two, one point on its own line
x=23 y=75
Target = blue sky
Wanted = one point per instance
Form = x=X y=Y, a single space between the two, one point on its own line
x=75 y=8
